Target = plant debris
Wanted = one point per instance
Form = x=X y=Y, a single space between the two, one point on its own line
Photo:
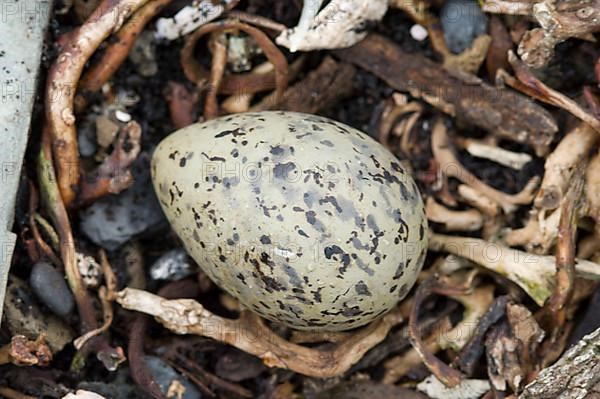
x=494 y=107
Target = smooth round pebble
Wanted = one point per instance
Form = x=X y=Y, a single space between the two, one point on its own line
x=307 y=221
x=49 y=285
x=462 y=21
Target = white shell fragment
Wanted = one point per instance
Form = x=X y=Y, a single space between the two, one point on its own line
x=189 y=18
x=305 y=220
x=340 y=24
x=467 y=389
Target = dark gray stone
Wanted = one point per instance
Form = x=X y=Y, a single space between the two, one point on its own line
x=50 y=287
x=113 y=220
x=164 y=375
x=462 y=21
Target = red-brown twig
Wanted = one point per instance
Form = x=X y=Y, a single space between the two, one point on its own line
x=62 y=81
x=558 y=302
x=113 y=175
x=527 y=83
x=257 y=20
x=135 y=350
x=449 y=376
x=218 y=47
x=197 y=74
x=117 y=52
x=182 y=103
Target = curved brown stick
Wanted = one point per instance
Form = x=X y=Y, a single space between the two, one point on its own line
x=113 y=175
x=257 y=20
x=449 y=376
x=218 y=46
x=198 y=74
x=62 y=81
x=185 y=316
x=42 y=245
x=135 y=349
x=111 y=357
x=117 y=52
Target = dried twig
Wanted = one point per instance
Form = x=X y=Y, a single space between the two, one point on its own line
x=42 y=245
x=573 y=376
x=114 y=55
x=197 y=74
x=478 y=148
x=13 y=394
x=563 y=163
x=218 y=47
x=559 y=21
x=62 y=81
x=186 y=316
x=535 y=274
x=460 y=95
x=135 y=350
x=527 y=83
x=111 y=357
x=467 y=220
x=113 y=175
x=107 y=294
x=449 y=376
x=323 y=86
x=451 y=167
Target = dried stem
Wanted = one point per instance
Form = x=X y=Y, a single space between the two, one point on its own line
x=42 y=245
x=535 y=274
x=51 y=196
x=113 y=175
x=468 y=220
x=527 y=83
x=563 y=163
x=62 y=81
x=250 y=334
x=116 y=53
x=107 y=294
x=565 y=260
x=197 y=74
x=451 y=167
x=449 y=376
x=218 y=47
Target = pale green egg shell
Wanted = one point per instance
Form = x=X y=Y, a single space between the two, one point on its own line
x=307 y=221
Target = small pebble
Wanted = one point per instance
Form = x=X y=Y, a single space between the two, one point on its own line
x=51 y=288
x=122 y=116
x=164 y=375
x=418 y=32
x=173 y=265
x=23 y=316
x=462 y=21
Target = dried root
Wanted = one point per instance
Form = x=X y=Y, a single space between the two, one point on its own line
x=250 y=334
x=60 y=91
x=535 y=274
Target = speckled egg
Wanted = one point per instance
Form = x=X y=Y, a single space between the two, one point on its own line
x=305 y=220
